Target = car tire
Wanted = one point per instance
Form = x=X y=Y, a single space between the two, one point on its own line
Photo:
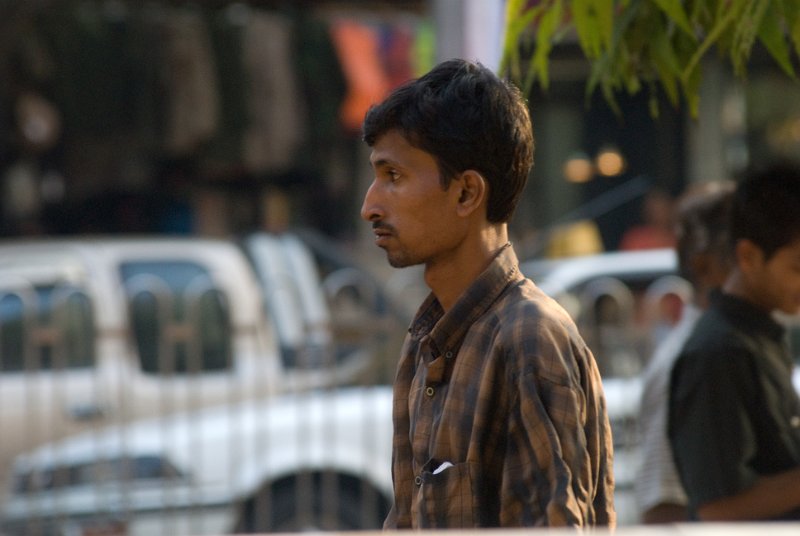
x=313 y=503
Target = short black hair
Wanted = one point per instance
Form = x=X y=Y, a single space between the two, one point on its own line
x=466 y=117
x=766 y=207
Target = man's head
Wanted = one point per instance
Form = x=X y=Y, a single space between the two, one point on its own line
x=466 y=118
x=765 y=235
x=703 y=236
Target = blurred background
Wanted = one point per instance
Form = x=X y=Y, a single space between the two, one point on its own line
x=215 y=117
x=197 y=334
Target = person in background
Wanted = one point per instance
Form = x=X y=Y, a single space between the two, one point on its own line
x=499 y=413
x=734 y=415
x=657 y=230
x=703 y=260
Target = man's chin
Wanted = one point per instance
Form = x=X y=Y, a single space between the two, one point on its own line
x=399 y=261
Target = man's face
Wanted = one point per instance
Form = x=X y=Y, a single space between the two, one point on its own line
x=778 y=280
x=413 y=218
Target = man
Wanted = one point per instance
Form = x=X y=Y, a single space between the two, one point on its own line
x=734 y=417
x=499 y=415
x=703 y=260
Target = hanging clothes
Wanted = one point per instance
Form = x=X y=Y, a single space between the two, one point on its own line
x=190 y=81
x=276 y=118
x=359 y=51
x=323 y=88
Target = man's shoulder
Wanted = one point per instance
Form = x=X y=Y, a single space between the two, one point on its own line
x=525 y=303
x=536 y=331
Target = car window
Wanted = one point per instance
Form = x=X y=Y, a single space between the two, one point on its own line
x=180 y=320
x=45 y=327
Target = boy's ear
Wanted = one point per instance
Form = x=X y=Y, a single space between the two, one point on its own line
x=473 y=191
x=748 y=255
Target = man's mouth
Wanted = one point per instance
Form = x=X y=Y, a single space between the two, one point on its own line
x=381 y=234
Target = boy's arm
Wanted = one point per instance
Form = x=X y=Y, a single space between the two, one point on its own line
x=770 y=497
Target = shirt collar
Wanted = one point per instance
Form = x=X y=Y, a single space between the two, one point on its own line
x=447 y=330
x=748 y=315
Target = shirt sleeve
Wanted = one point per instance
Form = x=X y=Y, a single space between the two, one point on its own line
x=560 y=450
x=710 y=431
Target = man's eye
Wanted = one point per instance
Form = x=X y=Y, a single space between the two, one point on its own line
x=393 y=175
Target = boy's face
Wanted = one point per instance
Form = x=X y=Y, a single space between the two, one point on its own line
x=777 y=280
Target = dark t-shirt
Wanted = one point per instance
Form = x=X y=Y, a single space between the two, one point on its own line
x=734 y=413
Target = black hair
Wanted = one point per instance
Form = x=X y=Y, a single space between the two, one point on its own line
x=766 y=208
x=466 y=118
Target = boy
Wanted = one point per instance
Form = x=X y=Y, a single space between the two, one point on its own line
x=734 y=422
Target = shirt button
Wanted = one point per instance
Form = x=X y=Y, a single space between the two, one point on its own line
x=449 y=355
x=795 y=421
x=418 y=480
x=429 y=391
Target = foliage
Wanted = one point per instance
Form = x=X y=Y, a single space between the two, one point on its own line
x=636 y=44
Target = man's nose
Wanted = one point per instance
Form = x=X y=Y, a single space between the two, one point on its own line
x=370 y=210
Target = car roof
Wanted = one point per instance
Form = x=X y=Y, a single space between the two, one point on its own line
x=560 y=275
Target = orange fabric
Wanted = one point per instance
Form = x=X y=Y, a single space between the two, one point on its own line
x=358 y=50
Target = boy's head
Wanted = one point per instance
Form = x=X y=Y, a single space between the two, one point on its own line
x=765 y=233
x=767 y=208
x=466 y=118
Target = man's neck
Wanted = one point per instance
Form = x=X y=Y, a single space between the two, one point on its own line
x=449 y=277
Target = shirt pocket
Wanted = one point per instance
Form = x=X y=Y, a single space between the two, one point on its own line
x=447 y=499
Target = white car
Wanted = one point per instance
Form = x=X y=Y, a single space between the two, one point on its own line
x=99 y=331
x=320 y=460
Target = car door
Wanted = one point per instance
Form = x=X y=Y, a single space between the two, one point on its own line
x=49 y=380
x=195 y=332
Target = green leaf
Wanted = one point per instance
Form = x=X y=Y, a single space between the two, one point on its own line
x=745 y=32
x=546 y=31
x=604 y=9
x=720 y=26
x=609 y=70
x=666 y=64
x=691 y=90
x=675 y=11
x=791 y=14
x=771 y=35
x=514 y=39
x=587 y=28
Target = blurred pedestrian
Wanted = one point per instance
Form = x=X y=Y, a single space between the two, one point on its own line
x=657 y=230
x=703 y=260
x=499 y=413
x=734 y=416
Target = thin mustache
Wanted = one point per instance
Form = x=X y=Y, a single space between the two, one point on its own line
x=379 y=226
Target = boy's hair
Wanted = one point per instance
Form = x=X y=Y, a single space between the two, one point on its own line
x=703 y=217
x=766 y=208
x=466 y=118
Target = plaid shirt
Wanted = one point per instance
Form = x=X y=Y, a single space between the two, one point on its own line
x=505 y=389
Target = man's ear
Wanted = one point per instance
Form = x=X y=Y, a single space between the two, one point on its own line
x=473 y=191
